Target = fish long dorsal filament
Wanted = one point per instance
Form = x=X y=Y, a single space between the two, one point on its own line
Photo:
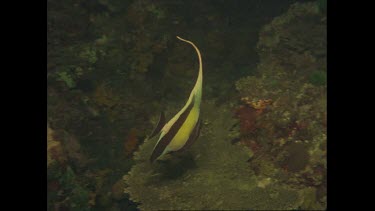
x=183 y=128
x=198 y=84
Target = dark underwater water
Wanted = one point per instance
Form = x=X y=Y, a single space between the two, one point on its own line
x=113 y=66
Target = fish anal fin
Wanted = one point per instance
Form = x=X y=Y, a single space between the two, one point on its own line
x=159 y=126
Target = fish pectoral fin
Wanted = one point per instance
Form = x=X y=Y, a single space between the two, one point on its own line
x=159 y=126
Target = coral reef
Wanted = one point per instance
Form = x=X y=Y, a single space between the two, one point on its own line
x=105 y=97
x=54 y=149
x=63 y=147
x=247 y=116
x=289 y=139
x=213 y=172
x=249 y=112
x=118 y=190
x=131 y=142
x=111 y=62
x=67 y=78
x=295 y=42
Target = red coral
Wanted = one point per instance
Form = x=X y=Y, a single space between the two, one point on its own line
x=248 y=113
x=247 y=116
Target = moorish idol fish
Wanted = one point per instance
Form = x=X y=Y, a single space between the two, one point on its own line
x=183 y=129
